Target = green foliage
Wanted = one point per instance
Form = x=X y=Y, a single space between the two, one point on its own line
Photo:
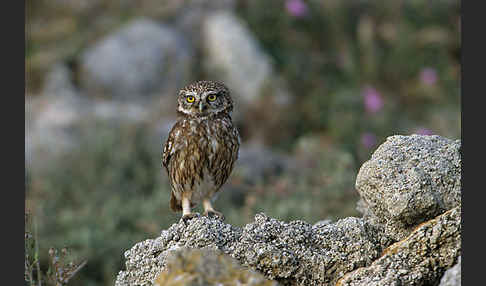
x=102 y=198
x=338 y=48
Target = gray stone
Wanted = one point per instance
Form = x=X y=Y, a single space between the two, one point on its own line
x=58 y=82
x=232 y=49
x=55 y=120
x=190 y=15
x=234 y=56
x=408 y=180
x=141 y=59
x=294 y=253
x=49 y=122
x=452 y=277
x=419 y=259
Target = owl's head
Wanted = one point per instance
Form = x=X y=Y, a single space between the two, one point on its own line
x=203 y=98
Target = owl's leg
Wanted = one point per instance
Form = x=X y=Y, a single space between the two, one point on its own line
x=209 y=211
x=186 y=208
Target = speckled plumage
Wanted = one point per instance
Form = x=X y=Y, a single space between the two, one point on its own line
x=202 y=146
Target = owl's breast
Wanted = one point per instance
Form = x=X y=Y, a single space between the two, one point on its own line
x=206 y=151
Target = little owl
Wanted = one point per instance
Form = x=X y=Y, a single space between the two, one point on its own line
x=202 y=147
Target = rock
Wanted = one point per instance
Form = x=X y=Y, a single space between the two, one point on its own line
x=146 y=259
x=294 y=253
x=190 y=15
x=257 y=163
x=297 y=253
x=50 y=116
x=58 y=82
x=233 y=56
x=49 y=122
x=55 y=119
x=419 y=259
x=452 y=277
x=408 y=180
x=231 y=49
x=207 y=267
x=143 y=58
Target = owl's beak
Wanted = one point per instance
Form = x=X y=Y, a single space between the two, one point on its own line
x=202 y=106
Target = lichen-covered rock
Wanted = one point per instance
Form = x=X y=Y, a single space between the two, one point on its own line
x=452 y=277
x=408 y=180
x=294 y=253
x=146 y=259
x=420 y=259
x=297 y=253
x=207 y=267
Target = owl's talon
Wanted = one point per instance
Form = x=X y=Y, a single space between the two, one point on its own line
x=187 y=217
x=214 y=214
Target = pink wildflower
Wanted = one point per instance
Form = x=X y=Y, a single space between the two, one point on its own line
x=296 y=8
x=373 y=101
x=428 y=76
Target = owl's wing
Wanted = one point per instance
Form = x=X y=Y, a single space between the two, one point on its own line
x=170 y=146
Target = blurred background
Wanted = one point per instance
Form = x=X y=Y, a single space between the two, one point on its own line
x=318 y=85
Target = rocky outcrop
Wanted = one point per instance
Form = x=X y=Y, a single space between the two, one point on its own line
x=409 y=180
x=350 y=251
x=294 y=253
x=420 y=259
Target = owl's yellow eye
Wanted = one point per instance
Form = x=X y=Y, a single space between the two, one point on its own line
x=212 y=97
x=190 y=99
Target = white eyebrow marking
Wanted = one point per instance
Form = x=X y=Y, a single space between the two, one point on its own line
x=208 y=93
x=193 y=93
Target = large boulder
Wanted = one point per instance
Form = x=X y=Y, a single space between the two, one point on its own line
x=409 y=180
x=143 y=58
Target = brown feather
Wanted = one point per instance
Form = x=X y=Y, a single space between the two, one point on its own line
x=175 y=205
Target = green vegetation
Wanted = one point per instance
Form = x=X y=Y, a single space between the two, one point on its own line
x=365 y=69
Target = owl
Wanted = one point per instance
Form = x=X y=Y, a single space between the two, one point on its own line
x=202 y=147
